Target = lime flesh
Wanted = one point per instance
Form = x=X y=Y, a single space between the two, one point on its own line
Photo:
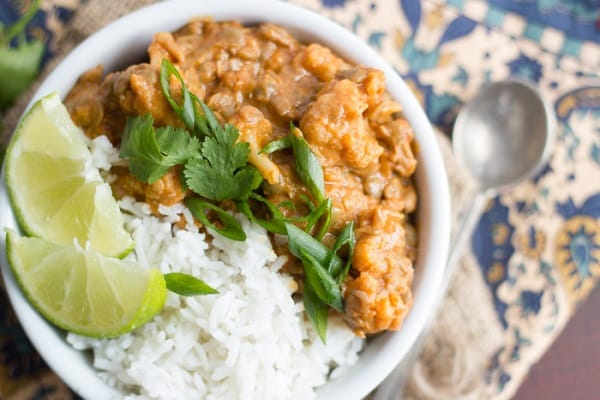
x=55 y=191
x=82 y=291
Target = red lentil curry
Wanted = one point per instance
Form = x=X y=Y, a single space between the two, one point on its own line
x=260 y=79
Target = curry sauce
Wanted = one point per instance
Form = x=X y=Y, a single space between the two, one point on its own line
x=260 y=79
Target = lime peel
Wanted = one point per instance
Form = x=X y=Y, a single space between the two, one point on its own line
x=82 y=291
x=55 y=191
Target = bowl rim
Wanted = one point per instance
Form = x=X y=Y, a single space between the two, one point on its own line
x=134 y=31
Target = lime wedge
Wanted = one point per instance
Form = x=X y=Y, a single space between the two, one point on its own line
x=55 y=191
x=83 y=291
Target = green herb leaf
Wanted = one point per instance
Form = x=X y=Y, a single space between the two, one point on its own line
x=140 y=146
x=176 y=145
x=317 y=311
x=326 y=288
x=151 y=153
x=222 y=172
x=308 y=167
x=231 y=227
x=187 y=285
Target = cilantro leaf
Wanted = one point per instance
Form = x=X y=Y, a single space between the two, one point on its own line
x=152 y=152
x=176 y=145
x=140 y=146
x=222 y=171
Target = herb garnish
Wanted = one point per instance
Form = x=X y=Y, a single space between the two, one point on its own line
x=216 y=168
x=325 y=272
x=152 y=152
x=222 y=172
x=307 y=166
x=187 y=110
x=20 y=64
x=187 y=285
x=231 y=227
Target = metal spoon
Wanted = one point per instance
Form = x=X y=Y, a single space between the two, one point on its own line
x=502 y=136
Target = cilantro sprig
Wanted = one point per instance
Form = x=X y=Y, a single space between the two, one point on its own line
x=215 y=164
x=216 y=168
x=152 y=152
x=221 y=171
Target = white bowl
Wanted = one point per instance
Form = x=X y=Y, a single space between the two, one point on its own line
x=123 y=42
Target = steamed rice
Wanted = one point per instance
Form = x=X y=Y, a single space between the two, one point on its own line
x=250 y=341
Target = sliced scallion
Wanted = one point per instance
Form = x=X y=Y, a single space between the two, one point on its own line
x=231 y=227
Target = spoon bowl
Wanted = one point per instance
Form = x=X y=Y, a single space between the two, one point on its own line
x=503 y=135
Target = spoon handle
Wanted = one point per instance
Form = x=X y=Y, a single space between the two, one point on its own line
x=464 y=232
x=393 y=386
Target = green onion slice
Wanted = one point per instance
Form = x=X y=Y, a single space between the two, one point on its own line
x=187 y=285
x=231 y=227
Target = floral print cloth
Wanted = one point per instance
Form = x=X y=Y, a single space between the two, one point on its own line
x=536 y=250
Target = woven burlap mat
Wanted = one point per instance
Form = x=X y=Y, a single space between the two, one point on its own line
x=466 y=332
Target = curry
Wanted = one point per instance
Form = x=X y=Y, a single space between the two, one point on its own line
x=260 y=79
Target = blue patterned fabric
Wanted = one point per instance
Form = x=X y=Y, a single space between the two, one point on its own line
x=563 y=27
x=577 y=18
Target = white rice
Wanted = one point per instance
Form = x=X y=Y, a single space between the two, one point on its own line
x=250 y=341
